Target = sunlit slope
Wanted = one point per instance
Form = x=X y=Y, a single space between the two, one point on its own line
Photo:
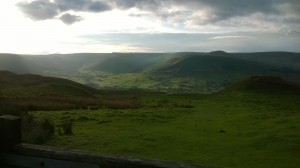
x=119 y=63
x=17 y=63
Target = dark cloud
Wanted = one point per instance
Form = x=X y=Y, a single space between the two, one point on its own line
x=82 y=5
x=46 y=9
x=216 y=9
x=98 y=7
x=70 y=19
x=39 y=10
x=140 y=4
x=230 y=8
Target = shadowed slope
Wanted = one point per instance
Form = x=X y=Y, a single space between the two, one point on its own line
x=265 y=84
x=13 y=85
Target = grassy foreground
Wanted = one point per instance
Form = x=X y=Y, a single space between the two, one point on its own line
x=228 y=129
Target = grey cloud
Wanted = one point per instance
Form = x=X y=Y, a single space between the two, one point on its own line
x=46 y=9
x=215 y=10
x=222 y=9
x=82 y=5
x=141 y=4
x=230 y=8
x=70 y=19
x=99 y=7
x=39 y=10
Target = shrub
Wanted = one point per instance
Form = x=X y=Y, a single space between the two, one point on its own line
x=36 y=132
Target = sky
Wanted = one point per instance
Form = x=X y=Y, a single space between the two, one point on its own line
x=104 y=26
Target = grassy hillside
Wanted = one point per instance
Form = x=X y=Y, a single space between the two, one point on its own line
x=27 y=85
x=217 y=68
x=280 y=59
x=21 y=93
x=238 y=127
x=265 y=84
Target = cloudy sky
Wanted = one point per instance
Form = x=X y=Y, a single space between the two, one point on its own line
x=72 y=26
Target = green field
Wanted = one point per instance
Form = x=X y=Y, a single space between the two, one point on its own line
x=228 y=129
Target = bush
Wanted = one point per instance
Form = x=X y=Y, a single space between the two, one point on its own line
x=36 y=132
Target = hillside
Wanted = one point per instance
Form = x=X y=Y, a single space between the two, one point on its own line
x=279 y=59
x=27 y=92
x=264 y=84
x=16 y=63
x=54 y=64
x=218 y=68
x=28 y=85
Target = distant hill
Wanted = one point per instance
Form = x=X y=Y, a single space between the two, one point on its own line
x=219 y=52
x=119 y=63
x=279 y=59
x=28 y=85
x=218 y=68
x=54 y=64
x=16 y=63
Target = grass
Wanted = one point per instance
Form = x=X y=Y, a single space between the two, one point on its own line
x=236 y=129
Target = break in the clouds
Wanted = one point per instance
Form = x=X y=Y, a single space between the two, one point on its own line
x=203 y=42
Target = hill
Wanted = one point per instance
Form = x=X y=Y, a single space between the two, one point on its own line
x=54 y=64
x=266 y=85
x=16 y=63
x=27 y=92
x=218 y=68
x=28 y=85
x=279 y=59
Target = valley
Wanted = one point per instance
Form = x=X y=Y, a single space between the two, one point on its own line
x=218 y=109
x=184 y=72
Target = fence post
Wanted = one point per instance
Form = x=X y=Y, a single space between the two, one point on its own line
x=10 y=132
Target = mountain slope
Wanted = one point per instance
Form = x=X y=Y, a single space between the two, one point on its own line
x=265 y=84
x=279 y=59
x=13 y=85
x=218 y=68
x=16 y=63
